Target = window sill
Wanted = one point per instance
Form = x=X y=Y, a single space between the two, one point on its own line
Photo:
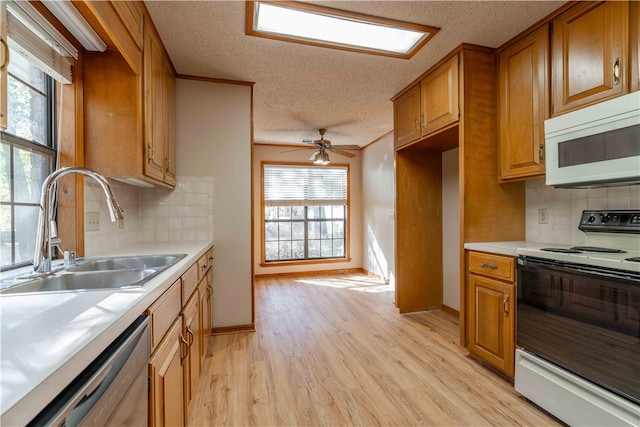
x=304 y=262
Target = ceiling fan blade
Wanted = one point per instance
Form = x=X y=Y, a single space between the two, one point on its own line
x=298 y=149
x=342 y=153
x=346 y=147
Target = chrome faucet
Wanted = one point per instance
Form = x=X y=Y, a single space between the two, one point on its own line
x=46 y=237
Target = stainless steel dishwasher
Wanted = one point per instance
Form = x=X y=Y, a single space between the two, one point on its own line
x=113 y=390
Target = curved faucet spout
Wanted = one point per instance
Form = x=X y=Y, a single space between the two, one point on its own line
x=42 y=255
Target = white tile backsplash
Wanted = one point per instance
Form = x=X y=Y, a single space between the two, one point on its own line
x=152 y=214
x=565 y=206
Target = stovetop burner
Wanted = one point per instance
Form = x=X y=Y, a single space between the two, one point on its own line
x=562 y=250
x=598 y=249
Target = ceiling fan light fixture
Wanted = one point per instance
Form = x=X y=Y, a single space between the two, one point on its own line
x=320 y=157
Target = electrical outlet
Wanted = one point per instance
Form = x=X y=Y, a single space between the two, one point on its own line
x=92 y=222
x=543 y=217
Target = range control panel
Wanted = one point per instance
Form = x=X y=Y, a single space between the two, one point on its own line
x=610 y=221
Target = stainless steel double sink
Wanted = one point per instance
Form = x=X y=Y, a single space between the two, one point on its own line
x=96 y=273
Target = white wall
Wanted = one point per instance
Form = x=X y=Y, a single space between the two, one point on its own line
x=451 y=229
x=284 y=154
x=213 y=136
x=378 y=206
x=564 y=207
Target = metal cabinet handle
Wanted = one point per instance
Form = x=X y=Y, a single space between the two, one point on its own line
x=204 y=267
x=5 y=64
x=185 y=346
x=491 y=266
x=422 y=120
x=505 y=304
x=190 y=332
x=616 y=72
x=415 y=124
x=149 y=153
x=210 y=258
x=541 y=152
x=168 y=163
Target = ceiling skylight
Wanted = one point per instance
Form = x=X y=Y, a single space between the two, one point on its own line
x=322 y=26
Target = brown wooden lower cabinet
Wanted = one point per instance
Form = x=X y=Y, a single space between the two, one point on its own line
x=166 y=376
x=180 y=337
x=191 y=364
x=491 y=316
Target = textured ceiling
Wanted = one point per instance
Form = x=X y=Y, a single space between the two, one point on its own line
x=301 y=88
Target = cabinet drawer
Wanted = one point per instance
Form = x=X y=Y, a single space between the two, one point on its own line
x=501 y=267
x=189 y=283
x=205 y=262
x=163 y=313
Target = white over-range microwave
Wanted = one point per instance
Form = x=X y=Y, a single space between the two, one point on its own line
x=595 y=146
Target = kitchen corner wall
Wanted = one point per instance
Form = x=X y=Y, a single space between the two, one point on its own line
x=151 y=214
x=564 y=208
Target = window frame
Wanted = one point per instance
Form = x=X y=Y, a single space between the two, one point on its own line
x=347 y=221
x=50 y=150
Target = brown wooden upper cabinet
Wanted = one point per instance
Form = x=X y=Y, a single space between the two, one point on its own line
x=439 y=97
x=159 y=112
x=590 y=54
x=523 y=105
x=428 y=106
x=139 y=95
x=406 y=117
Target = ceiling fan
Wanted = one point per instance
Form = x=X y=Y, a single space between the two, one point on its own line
x=320 y=156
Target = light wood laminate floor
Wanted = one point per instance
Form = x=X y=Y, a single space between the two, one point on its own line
x=333 y=350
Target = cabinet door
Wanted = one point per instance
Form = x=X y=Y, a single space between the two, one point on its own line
x=169 y=114
x=439 y=105
x=205 y=293
x=4 y=63
x=165 y=371
x=191 y=365
x=153 y=105
x=589 y=45
x=523 y=105
x=491 y=321
x=406 y=120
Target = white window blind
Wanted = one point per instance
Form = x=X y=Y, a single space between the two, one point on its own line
x=32 y=36
x=304 y=186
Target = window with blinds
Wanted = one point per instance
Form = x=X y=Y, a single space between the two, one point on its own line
x=38 y=56
x=305 y=212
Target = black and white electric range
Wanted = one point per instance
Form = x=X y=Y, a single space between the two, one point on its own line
x=578 y=323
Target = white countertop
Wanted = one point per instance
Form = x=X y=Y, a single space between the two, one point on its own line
x=47 y=339
x=504 y=248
